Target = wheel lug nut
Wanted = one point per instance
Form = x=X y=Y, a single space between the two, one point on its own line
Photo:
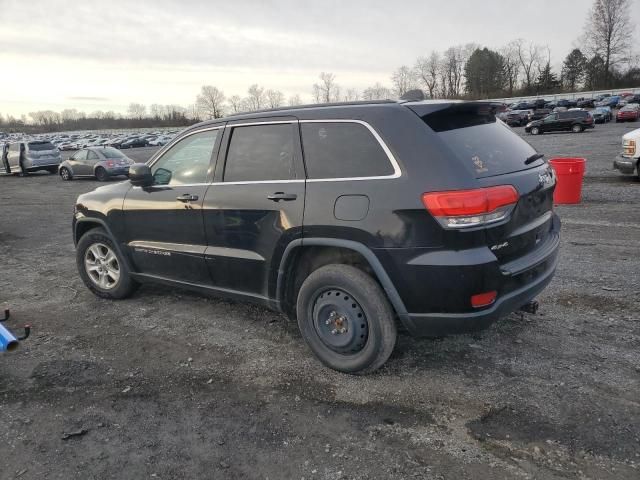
x=334 y=331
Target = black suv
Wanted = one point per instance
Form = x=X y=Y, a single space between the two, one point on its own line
x=347 y=217
x=570 y=121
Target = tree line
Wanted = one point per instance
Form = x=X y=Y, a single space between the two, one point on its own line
x=604 y=60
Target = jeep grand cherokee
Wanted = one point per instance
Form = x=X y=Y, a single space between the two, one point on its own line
x=348 y=217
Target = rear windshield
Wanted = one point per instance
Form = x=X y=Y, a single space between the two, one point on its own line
x=480 y=141
x=38 y=146
x=111 y=152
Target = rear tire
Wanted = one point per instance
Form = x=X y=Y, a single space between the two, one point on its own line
x=345 y=318
x=535 y=131
x=112 y=280
x=52 y=171
x=101 y=174
x=576 y=129
x=65 y=174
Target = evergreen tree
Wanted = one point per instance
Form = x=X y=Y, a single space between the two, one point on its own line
x=485 y=73
x=573 y=69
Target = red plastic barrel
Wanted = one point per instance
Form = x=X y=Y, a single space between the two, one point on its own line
x=569 y=172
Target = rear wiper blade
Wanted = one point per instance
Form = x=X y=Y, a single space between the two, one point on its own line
x=533 y=158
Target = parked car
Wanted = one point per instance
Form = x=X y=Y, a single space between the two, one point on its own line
x=586 y=103
x=601 y=114
x=31 y=156
x=521 y=106
x=517 y=118
x=443 y=245
x=630 y=113
x=611 y=101
x=134 y=142
x=160 y=141
x=629 y=161
x=566 y=103
x=99 y=162
x=571 y=121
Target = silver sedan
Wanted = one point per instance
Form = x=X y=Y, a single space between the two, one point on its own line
x=99 y=162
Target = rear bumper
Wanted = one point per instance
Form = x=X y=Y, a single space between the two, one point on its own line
x=446 y=286
x=625 y=165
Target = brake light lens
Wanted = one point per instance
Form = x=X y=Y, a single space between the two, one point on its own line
x=483 y=299
x=110 y=163
x=471 y=208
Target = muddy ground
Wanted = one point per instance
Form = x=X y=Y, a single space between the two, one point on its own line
x=169 y=384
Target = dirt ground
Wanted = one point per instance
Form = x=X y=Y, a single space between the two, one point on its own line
x=169 y=384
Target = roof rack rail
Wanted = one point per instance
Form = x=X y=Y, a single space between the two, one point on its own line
x=314 y=105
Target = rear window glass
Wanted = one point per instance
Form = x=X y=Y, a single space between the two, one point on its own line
x=480 y=141
x=38 y=146
x=112 y=153
x=343 y=150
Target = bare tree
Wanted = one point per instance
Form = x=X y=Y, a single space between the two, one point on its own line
x=403 y=79
x=351 y=95
x=511 y=66
x=295 y=100
x=427 y=72
x=529 y=57
x=256 y=98
x=235 y=101
x=327 y=90
x=376 y=92
x=608 y=33
x=156 y=111
x=69 y=115
x=275 y=98
x=136 y=110
x=210 y=102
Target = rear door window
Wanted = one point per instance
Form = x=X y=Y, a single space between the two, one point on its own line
x=40 y=146
x=343 y=150
x=261 y=153
x=476 y=138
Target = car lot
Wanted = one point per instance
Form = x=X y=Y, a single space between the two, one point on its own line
x=174 y=385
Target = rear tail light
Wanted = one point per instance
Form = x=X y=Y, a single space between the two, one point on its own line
x=483 y=299
x=110 y=163
x=471 y=208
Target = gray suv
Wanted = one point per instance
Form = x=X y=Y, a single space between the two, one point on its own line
x=27 y=157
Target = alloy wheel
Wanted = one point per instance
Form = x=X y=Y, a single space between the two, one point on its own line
x=101 y=265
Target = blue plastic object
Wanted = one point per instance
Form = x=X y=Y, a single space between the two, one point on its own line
x=8 y=341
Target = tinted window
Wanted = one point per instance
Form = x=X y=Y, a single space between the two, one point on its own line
x=260 y=152
x=343 y=150
x=187 y=162
x=474 y=136
x=111 y=152
x=38 y=146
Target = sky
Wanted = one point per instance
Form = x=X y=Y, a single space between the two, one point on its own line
x=102 y=55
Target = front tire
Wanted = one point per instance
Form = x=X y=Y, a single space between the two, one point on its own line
x=535 y=131
x=101 y=266
x=65 y=174
x=345 y=318
x=576 y=129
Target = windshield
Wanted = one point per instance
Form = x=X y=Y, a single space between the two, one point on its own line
x=478 y=139
x=39 y=146
x=111 y=152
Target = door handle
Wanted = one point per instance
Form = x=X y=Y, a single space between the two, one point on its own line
x=187 y=197
x=287 y=197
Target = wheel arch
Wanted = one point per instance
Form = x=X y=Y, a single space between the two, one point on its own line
x=362 y=256
x=86 y=224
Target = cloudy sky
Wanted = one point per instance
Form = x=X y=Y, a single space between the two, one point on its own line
x=102 y=55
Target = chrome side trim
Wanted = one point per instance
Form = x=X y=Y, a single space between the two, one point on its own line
x=174 y=247
x=152 y=161
x=397 y=172
x=248 y=124
x=233 y=253
x=251 y=182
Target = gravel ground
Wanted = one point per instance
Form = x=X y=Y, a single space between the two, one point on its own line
x=169 y=384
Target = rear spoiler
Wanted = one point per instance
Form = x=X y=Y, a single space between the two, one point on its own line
x=431 y=106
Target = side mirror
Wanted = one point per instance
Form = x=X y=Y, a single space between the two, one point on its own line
x=140 y=175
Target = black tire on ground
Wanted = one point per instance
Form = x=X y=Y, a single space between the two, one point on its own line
x=535 y=131
x=124 y=286
x=53 y=170
x=65 y=174
x=101 y=174
x=576 y=128
x=362 y=308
